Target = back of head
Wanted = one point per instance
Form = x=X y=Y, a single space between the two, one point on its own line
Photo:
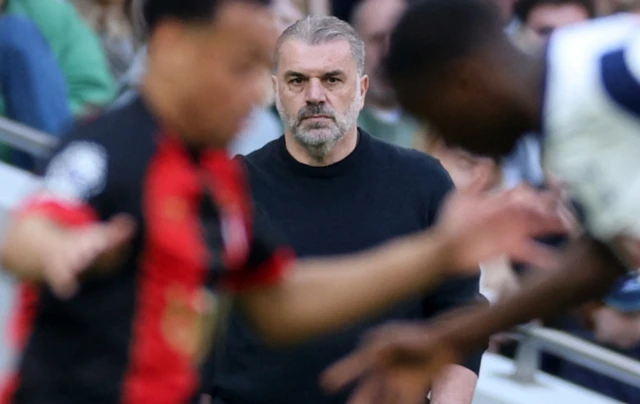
x=433 y=33
x=189 y=11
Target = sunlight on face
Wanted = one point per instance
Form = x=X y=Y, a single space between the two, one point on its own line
x=463 y=167
x=319 y=93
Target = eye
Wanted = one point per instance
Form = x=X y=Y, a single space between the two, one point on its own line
x=296 y=81
x=333 y=80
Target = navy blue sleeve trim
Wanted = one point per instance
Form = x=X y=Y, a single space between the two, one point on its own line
x=619 y=81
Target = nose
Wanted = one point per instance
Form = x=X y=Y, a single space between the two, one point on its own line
x=315 y=92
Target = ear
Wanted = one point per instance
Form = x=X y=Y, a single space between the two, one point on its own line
x=274 y=83
x=364 y=87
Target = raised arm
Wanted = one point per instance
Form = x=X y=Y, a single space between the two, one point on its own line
x=37 y=248
x=587 y=270
x=325 y=294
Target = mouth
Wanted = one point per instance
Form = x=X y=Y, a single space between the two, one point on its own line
x=316 y=117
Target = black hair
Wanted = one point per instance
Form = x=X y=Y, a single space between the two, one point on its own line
x=433 y=33
x=523 y=8
x=190 y=11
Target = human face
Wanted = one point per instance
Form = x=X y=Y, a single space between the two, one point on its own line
x=374 y=23
x=319 y=93
x=221 y=69
x=546 y=18
x=464 y=168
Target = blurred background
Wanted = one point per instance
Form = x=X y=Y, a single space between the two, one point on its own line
x=66 y=61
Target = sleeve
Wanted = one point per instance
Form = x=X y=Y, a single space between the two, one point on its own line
x=604 y=172
x=74 y=186
x=437 y=189
x=269 y=257
x=453 y=294
x=457 y=292
x=620 y=74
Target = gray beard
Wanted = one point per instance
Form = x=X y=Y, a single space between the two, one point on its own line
x=318 y=149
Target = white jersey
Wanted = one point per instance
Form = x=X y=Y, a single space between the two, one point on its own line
x=592 y=121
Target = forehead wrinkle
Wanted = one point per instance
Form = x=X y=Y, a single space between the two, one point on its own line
x=316 y=60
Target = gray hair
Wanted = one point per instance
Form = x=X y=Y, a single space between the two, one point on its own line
x=317 y=30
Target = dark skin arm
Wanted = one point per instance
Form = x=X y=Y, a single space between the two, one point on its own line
x=401 y=355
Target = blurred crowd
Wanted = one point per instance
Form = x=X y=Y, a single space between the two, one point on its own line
x=64 y=61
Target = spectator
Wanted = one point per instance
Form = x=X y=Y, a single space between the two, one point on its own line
x=542 y=17
x=343 y=9
x=76 y=48
x=264 y=125
x=616 y=324
x=333 y=189
x=111 y=20
x=498 y=277
x=382 y=116
x=33 y=90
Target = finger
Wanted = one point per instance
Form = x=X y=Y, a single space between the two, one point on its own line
x=119 y=230
x=537 y=255
x=532 y=222
x=369 y=390
x=347 y=370
x=61 y=280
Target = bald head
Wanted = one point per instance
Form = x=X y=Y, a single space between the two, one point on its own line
x=374 y=21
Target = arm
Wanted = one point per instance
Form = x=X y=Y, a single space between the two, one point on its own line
x=457 y=383
x=27 y=245
x=588 y=270
x=324 y=294
x=454 y=385
x=418 y=352
x=38 y=248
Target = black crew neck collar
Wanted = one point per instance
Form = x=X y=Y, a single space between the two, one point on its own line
x=341 y=167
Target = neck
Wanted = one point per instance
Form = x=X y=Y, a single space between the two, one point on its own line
x=340 y=151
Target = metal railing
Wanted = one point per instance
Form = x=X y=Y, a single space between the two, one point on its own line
x=534 y=339
x=24 y=138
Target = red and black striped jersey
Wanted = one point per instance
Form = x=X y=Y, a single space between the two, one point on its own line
x=135 y=334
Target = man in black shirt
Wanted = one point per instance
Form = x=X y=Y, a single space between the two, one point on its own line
x=143 y=221
x=334 y=189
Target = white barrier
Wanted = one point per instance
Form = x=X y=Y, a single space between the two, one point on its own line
x=498 y=386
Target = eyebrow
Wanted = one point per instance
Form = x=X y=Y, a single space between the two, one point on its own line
x=332 y=73
x=291 y=73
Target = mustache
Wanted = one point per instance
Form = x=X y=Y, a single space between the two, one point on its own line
x=314 y=110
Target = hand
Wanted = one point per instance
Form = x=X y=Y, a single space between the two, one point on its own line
x=396 y=364
x=479 y=226
x=80 y=249
x=616 y=328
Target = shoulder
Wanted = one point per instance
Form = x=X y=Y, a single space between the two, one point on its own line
x=405 y=161
x=116 y=142
x=262 y=158
x=116 y=129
